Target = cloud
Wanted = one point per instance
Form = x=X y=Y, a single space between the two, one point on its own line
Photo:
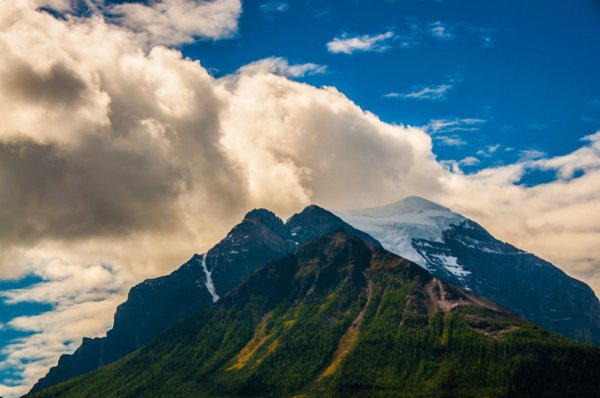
x=469 y=161
x=441 y=31
x=346 y=44
x=429 y=93
x=155 y=115
x=450 y=140
x=416 y=32
x=454 y=125
x=488 y=150
x=83 y=299
x=531 y=154
x=131 y=158
x=271 y=8
x=174 y=22
x=59 y=5
x=280 y=66
x=585 y=159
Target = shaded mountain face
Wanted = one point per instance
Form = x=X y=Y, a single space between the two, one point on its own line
x=341 y=318
x=460 y=251
x=155 y=305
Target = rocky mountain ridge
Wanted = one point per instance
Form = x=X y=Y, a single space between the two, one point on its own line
x=157 y=304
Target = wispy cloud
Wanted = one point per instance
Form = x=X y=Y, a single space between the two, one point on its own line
x=281 y=66
x=415 y=33
x=454 y=125
x=451 y=140
x=488 y=150
x=272 y=8
x=428 y=93
x=469 y=161
x=447 y=131
x=435 y=92
x=448 y=31
x=346 y=44
x=441 y=31
x=531 y=154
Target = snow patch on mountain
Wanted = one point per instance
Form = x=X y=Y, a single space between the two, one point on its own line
x=452 y=265
x=396 y=226
x=209 y=282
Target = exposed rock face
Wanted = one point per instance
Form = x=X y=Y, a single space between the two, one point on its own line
x=157 y=304
x=460 y=251
x=518 y=280
x=151 y=307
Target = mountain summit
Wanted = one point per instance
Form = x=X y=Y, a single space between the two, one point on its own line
x=341 y=318
x=156 y=304
x=460 y=251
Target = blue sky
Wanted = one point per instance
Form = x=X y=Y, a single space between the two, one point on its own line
x=527 y=71
x=492 y=82
x=11 y=311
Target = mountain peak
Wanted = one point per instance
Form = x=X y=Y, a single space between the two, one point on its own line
x=397 y=224
x=311 y=211
x=315 y=221
x=408 y=205
x=258 y=218
x=263 y=216
x=417 y=202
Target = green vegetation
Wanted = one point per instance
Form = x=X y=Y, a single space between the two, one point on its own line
x=277 y=334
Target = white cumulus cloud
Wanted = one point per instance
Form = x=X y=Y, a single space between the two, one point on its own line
x=173 y=22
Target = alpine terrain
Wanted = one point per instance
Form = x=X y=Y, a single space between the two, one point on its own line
x=345 y=318
x=155 y=305
x=458 y=250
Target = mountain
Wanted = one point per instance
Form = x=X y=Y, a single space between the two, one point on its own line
x=342 y=318
x=156 y=304
x=460 y=251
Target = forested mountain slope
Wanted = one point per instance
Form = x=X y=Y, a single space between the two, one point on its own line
x=342 y=318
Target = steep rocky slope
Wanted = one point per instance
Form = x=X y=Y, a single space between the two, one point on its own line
x=462 y=252
x=157 y=304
